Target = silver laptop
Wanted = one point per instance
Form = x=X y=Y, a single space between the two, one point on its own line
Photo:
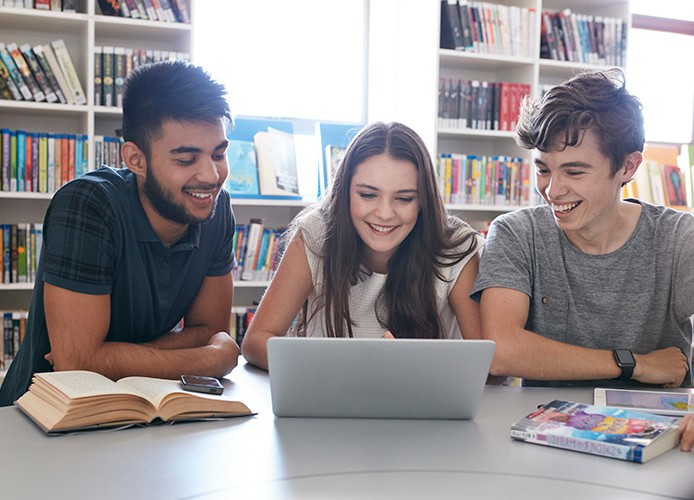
x=377 y=378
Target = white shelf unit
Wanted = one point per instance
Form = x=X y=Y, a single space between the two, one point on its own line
x=533 y=71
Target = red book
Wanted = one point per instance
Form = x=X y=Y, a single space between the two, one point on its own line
x=71 y=156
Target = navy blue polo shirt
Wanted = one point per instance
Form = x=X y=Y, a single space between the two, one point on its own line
x=98 y=240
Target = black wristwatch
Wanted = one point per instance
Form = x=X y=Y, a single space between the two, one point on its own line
x=626 y=362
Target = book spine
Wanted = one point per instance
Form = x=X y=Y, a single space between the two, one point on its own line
x=119 y=70
x=25 y=71
x=58 y=72
x=50 y=76
x=107 y=80
x=34 y=162
x=39 y=75
x=63 y=57
x=51 y=164
x=5 y=134
x=602 y=448
x=9 y=82
x=14 y=72
x=98 y=76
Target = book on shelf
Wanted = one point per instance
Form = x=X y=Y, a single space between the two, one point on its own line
x=8 y=89
x=70 y=74
x=243 y=168
x=52 y=60
x=253 y=240
x=39 y=54
x=80 y=400
x=110 y=7
x=36 y=93
x=276 y=157
x=451 y=27
x=674 y=187
x=14 y=73
x=618 y=433
x=38 y=73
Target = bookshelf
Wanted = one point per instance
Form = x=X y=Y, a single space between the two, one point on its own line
x=525 y=67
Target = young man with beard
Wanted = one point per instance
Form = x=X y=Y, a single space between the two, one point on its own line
x=130 y=252
x=595 y=289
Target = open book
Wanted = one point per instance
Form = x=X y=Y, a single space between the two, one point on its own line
x=77 y=400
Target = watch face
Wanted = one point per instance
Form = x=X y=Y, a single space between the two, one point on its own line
x=624 y=357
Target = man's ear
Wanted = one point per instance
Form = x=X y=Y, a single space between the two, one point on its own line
x=631 y=164
x=134 y=158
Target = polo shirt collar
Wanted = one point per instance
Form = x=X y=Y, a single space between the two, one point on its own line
x=143 y=228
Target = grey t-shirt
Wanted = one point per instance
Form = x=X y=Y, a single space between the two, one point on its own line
x=639 y=297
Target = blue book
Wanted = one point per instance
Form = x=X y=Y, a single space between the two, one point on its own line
x=243 y=169
x=21 y=159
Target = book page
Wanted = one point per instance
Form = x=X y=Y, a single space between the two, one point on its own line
x=81 y=384
x=153 y=389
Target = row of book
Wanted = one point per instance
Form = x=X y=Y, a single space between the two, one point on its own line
x=241 y=318
x=42 y=73
x=567 y=36
x=170 y=11
x=13 y=328
x=107 y=151
x=20 y=245
x=660 y=184
x=487 y=28
x=112 y=65
x=58 y=5
x=40 y=162
x=479 y=104
x=258 y=250
x=484 y=180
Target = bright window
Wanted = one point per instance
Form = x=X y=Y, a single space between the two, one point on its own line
x=285 y=58
x=659 y=68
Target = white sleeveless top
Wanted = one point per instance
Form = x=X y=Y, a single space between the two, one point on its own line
x=363 y=295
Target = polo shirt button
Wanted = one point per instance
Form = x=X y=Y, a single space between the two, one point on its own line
x=545 y=300
x=165 y=265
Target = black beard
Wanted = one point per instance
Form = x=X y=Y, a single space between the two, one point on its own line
x=164 y=205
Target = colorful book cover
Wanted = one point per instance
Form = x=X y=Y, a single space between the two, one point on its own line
x=25 y=71
x=243 y=169
x=39 y=74
x=9 y=83
x=50 y=76
x=599 y=430
x=14 y=72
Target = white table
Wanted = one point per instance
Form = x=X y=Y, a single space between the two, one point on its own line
x=268 y=457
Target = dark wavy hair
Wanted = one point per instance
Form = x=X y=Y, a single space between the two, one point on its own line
x=170 y=90
x=596 y=100
x=408 y=296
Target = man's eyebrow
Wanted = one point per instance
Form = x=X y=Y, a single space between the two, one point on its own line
x=193 y=149
x=568 y=164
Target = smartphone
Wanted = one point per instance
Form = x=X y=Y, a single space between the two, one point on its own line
x=196 y=383
x=660 y=402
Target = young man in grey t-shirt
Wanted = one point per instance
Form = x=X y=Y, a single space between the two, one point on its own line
x=589 y=289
